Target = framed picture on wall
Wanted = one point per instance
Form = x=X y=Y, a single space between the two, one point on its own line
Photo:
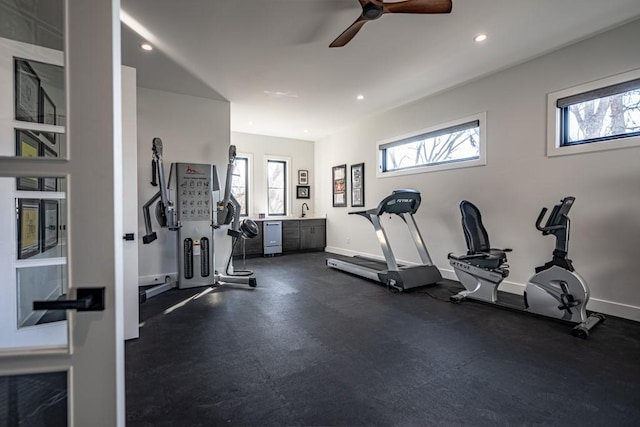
x=357 y=185
x=27 y=92
x=303 y=192
x=28 y=228
x=49 y=231
x=303 y=177
x=339 y=176
x=27 y=145
x=47 y=109
x=49 y=184
x=51 y=137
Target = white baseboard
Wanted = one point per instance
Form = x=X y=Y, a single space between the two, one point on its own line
x=611 y=308
x=156 y=279
x=616 y=309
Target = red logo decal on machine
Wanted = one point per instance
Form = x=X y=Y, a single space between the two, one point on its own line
x=191 y=170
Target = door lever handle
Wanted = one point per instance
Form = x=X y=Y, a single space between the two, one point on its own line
x=89 y=299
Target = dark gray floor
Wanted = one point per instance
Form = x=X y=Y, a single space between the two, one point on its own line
x=316 y=346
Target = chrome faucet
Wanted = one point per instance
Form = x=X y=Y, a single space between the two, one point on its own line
x=304 y=205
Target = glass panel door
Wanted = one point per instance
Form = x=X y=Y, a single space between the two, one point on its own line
x=33 y=262
x=34 y=399
x=58 y=202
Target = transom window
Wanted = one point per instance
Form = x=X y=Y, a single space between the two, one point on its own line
x=451 y=145
x=603 y=114
x=600 y=115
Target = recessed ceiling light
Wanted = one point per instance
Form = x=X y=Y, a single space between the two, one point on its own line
x=250 y=123
x=146 y=46
x=360 y=97
x=306 y=131
x=480 y=38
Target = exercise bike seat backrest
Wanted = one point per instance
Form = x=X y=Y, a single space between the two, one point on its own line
x=479 y=252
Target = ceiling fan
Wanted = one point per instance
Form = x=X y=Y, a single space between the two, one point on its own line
x=374 y=9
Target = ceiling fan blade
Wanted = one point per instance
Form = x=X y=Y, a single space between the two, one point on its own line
x=419 y=6
x=349 y=33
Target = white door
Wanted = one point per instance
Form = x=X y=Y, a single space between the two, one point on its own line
x=61 y=216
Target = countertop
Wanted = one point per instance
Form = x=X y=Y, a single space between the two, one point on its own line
x=288 y=218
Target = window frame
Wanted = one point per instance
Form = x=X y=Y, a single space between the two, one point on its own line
x=556 y=116
x=248 y=192
x=287 y=163
x=481 y=118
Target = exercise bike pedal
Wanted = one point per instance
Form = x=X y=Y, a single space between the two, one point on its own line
x=568 y=301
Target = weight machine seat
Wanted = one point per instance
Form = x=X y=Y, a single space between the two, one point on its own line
x=480 y=253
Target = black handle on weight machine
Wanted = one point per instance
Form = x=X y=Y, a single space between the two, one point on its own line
x=154 y=173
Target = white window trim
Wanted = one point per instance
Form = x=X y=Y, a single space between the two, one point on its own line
x=249 y=157
x=480 y=161
x=268 y=157
x=554 y=119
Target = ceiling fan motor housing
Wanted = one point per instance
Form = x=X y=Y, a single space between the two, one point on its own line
x=374 y=9
x=371 y=11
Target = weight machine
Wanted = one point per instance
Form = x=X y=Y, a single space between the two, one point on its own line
x=194 y=216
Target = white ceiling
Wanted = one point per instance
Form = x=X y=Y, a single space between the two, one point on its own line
x=271 y=60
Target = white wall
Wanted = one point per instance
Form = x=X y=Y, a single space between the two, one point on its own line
x=299 y=151
x=518 y=179
x=192 y=130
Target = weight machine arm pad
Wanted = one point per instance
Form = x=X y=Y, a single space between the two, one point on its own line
x=151 y=235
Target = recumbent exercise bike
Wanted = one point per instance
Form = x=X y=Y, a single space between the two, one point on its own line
x=555 y=290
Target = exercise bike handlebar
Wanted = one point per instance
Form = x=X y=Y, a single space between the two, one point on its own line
x=546 y=228
x=558 y=218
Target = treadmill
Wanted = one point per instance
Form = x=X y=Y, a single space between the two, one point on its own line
x=403 y=203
